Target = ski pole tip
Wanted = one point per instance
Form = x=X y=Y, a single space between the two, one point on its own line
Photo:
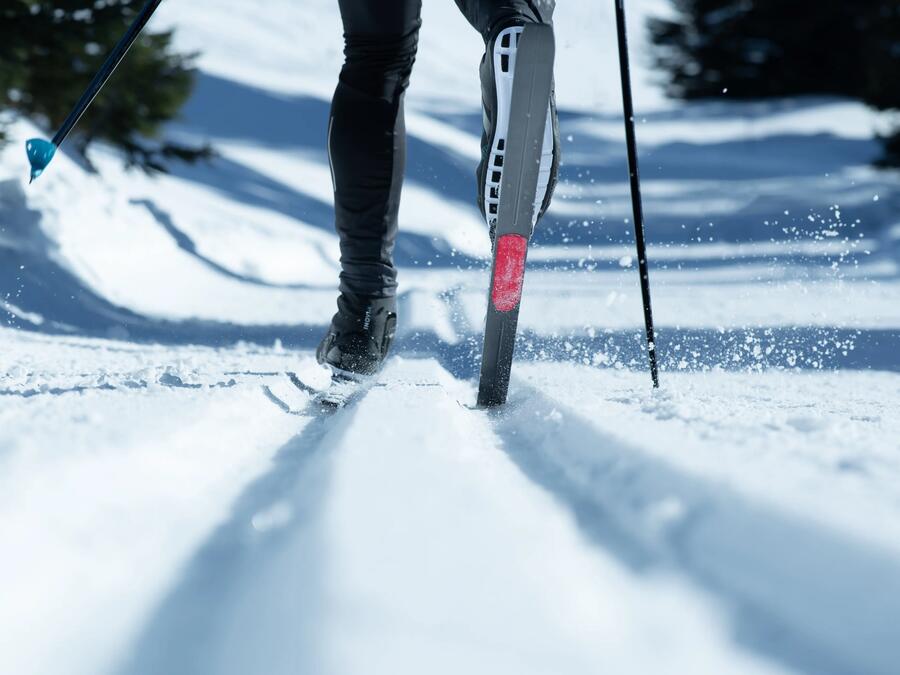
x=40 y=154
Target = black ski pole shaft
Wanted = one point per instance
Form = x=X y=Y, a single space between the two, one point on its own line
x=109 y=66
x=636 y=202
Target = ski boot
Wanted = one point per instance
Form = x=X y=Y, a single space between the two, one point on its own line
x=497 y=72
x=359 y=338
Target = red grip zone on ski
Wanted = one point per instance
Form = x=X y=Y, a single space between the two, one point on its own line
x=509 y=272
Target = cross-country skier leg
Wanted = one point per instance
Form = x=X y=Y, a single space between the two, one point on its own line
x=367 y=150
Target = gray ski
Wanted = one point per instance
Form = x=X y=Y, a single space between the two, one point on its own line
x=517 y=210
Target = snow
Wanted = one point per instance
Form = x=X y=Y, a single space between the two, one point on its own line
x=96 y=526
x=754 y=501
x=169 y=502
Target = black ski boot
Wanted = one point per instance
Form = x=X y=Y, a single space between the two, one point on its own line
x=497 y=71
x=359 y=337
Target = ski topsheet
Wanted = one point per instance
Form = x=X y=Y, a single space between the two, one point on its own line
x=518 y=207
x=340 y=391
x=296 y=397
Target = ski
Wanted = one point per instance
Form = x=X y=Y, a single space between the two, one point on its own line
x=296 y=397
x=517 y=158
x=340 y=391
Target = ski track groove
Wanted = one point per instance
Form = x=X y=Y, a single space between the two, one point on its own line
x=192 y=628
x=801 y=594
x=116 y=516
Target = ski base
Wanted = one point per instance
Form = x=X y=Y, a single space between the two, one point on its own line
x=517 y=209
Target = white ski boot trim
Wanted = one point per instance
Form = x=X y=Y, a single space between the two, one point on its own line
x=505 y=49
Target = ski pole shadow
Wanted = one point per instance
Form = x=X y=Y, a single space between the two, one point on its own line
x=804 y=595
x=259 y=572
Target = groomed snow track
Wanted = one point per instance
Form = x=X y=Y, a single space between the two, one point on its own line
x=409 y=533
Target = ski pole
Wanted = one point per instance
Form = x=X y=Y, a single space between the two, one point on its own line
x=631 y=138
x=41 y=152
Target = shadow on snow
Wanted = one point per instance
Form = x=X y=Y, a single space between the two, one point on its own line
x=791 y=584
x=259 y=571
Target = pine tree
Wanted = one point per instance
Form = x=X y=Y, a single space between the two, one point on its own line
x=769 y=48
x=50 y=51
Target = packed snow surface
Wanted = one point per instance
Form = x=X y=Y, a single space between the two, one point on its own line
x=171 y=503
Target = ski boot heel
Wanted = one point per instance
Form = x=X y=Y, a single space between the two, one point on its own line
x=498 y=75
x=359 y=338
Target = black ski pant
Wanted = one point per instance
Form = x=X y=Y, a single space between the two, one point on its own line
x=366 y=133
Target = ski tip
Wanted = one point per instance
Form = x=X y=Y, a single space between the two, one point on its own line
x=342 y=390
x=40 y=154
